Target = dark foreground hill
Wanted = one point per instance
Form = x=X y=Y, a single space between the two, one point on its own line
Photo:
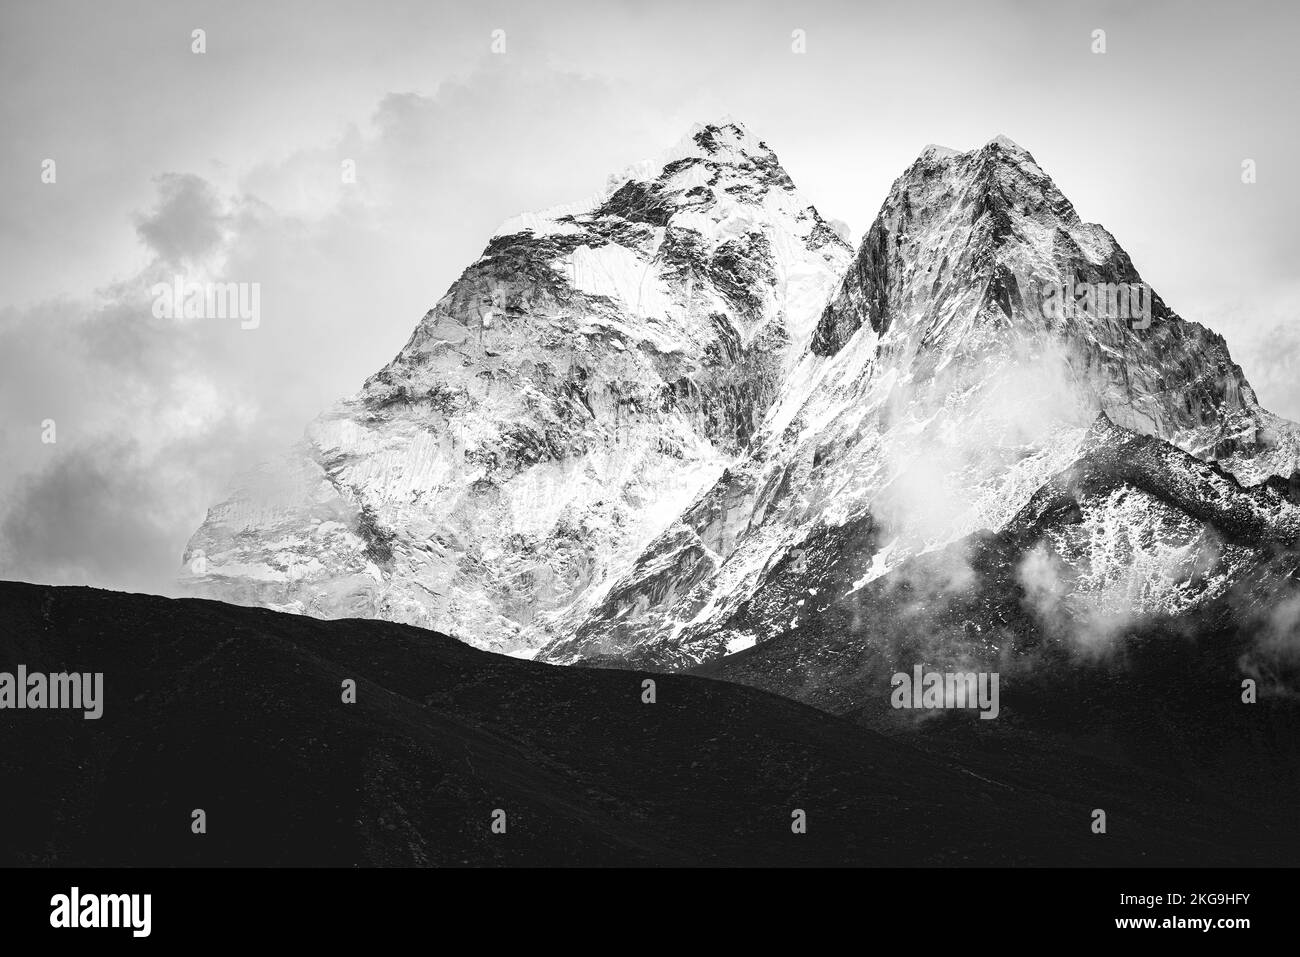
x=239 y=712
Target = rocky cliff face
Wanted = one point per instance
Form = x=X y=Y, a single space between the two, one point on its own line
x=942 y=388
x=582 y=382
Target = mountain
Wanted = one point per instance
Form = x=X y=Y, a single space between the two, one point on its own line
x=670 y=422
x=576 y=388
x=239 y=712
x=946 y=383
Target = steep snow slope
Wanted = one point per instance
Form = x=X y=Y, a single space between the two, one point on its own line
x=583 y=380
x=938 y=394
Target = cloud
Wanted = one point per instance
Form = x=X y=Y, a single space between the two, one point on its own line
x=92 y=516
x=1270 y=360
x=1274 y=658
x=186 y=225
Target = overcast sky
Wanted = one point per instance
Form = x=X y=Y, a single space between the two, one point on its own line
x=226 y=164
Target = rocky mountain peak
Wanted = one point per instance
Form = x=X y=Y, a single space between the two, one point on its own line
x=726 y=140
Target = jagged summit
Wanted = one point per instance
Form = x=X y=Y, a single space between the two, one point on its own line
x=724 y=141
x=724 y=137
x=1000 y=148
x=984 y=225
x=712 y=160
x=976 y=253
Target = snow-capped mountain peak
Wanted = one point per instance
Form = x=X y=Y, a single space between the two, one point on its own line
x=596 y=367
x=658 y=424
